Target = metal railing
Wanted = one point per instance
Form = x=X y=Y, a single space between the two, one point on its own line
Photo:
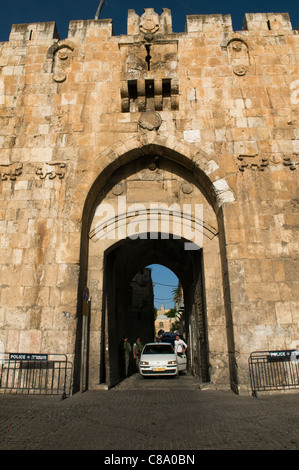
x=274 y=370
x=49 y=374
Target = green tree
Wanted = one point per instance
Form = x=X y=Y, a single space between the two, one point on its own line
x=175 y=295
x=172 y=313
x=175 y=326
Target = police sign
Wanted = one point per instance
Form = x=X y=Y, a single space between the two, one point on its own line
x=286 y=355
x=27 y=357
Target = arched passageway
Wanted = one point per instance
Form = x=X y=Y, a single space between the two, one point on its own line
x=122 y=262
x=120 y=237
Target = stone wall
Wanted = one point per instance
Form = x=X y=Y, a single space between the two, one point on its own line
x=222 y=104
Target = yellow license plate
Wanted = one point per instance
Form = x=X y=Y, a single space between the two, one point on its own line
x=159 y=369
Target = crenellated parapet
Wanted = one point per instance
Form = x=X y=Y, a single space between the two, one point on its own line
x=152 y=23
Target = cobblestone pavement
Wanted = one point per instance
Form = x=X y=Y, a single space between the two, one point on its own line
x=150 y=414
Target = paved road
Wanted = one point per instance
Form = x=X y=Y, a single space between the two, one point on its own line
x=150 y=414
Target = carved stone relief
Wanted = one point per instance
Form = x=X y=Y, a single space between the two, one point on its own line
x=62 y=60
x=239 y=59
x=254 y=163
x=10 y=171
x=186 y=188
x=291 y=163
x=60 y=55
x=150 y=120
x=149 y=23
x=46 y=170
x=51 y=170
x=118 y=189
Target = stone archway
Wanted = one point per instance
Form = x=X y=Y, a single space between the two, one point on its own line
x=155 y=173
x=122 y=261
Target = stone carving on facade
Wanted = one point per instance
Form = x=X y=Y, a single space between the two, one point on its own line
x=238 y=56
x=153 y=164
x=240 y=70
x=149 y=23
x=150 y=120
x=118 y=189
x=61 y=56
x=290 y=162
x=51 y=171
x=186 y=188
x=251 y=162
x=10 y=171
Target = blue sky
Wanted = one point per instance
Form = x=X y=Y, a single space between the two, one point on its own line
x=63 y=11
x=164 y=282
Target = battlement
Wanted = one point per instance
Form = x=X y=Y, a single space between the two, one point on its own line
x=48 y=31
x=267 y=22
x=150 y=22
x=33 y=31
x=262 y=22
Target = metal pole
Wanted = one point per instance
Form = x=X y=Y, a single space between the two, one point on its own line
x=85 y=313
x=99 y=9
x=82 y=355
x=191 y=347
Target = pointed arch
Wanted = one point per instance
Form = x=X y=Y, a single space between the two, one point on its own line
x=208 y=173
x=209 y=179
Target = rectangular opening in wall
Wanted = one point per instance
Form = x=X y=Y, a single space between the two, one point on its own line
x=166 y=87
x=132 y=93
x=149 y=94
x=132 y=89
x=149 y=88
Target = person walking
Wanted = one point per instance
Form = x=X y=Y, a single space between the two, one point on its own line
x=137 y=349
x=127 y=350
x=179 y=345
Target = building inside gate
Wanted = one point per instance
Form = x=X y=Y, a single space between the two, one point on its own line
x=153 y=147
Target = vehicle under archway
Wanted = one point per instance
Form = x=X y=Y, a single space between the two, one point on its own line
x=121 y=264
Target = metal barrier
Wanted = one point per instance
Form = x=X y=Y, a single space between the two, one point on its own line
x=274 y=370
x=35 y=373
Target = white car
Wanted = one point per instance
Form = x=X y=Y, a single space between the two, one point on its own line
x=160 y=359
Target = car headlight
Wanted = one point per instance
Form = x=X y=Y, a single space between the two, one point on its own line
x=144 y=363
x=171 y=362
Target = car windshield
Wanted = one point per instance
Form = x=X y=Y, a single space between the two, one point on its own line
x=158 y=349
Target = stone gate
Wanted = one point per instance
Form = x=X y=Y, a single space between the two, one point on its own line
x=117 y=152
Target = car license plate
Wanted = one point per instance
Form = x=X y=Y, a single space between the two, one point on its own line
x=158 y=369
